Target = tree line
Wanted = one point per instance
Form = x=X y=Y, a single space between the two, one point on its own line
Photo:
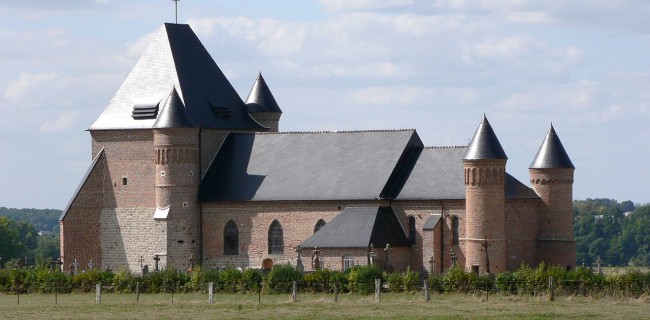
x=616 y=232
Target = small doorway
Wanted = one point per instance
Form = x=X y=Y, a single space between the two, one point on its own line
x=267 y=264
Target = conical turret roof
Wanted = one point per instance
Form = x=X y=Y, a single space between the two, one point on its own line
x=484 y=145
x=176 y=58
x=551 y=153
x=173 y=114
x=260 y=99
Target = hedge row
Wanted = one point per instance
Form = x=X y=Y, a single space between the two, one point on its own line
x=524 y=281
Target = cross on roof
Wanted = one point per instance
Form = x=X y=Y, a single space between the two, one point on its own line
x=176 y=5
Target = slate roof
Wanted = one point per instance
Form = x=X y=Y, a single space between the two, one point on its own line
x=260 y=99
x=353 y=165
x=176 y=58
x=98 y=158
x=431 y=222
x=551 y=153
x=173 y=114
x=438 y=174
x=484 y=145
x=358 y=227
x=516 y=190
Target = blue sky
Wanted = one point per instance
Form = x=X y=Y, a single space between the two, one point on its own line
x=435 y=66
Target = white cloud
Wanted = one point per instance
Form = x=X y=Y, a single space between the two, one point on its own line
x=60 y=124
x=414 y=96
x=18 y=88
x=362 y=5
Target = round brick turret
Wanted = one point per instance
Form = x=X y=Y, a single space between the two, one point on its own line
x=176 y=144
x=485 y=235
x=551 y=174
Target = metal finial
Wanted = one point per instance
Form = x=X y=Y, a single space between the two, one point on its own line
x=176 y=5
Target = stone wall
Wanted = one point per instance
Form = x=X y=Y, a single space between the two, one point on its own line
x=131 y=233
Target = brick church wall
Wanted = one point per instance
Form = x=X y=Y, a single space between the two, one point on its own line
x=521 y=230
x=82 y=223
x=253 y=219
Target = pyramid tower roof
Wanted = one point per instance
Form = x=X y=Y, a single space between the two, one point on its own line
x=551 y=153
x=260 y=99
x=173 y=114
x=484 y=145
x=176 y=58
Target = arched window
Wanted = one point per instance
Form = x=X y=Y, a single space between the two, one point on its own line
x=319 y=224
x=412 y=229
x=276 y=241
x=454 y=228
x=231 y=239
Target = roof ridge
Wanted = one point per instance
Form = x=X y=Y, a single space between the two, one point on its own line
x=445 y=147
x=327 y=131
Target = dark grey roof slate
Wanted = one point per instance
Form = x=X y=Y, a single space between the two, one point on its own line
x=260 y=99
x=357 y=165
x=173 y=114
x=92 y=167
x=517 y=190
x=176 y=58
x=485 y=144
x=358 y=227
x=438 y=174
x=551 y=153
x=431 y=222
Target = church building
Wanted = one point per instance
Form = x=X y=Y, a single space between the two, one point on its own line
x=186 y=172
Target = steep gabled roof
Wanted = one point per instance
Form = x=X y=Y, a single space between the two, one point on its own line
x=358 y=227
x=357 y=165
x=484 y=145
x=551 y=153
x=173 y=114
x=176 y=58
x=260 y=99
x=94 y=168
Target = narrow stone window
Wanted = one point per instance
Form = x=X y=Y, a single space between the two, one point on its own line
x=276 y=238
x=162 y=173
x=319 y=225
x=231 y=239
x=185 y=204
x=454 y=227
x=124 y=181
x=412 y=231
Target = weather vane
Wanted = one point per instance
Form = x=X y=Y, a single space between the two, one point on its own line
x=176 y=4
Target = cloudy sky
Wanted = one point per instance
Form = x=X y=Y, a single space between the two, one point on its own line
x=435 y=66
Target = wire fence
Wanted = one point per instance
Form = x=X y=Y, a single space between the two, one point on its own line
x=211 y=292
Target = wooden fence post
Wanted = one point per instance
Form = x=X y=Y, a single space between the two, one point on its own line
x=98 y=293
x=427 y=297
x=377 y=290
x=294 y=291
x=211 y=292
x=336 y=292
x=551 y=289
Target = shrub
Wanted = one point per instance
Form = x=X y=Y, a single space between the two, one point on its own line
x=318 y=281
x=281 y=277
x=229 y=280
x=250 y=280
x=396 y=282
x=411 y=280
x=361 y=279
x=339 y=279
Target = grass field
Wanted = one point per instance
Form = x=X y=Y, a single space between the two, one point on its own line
x=317 y=306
